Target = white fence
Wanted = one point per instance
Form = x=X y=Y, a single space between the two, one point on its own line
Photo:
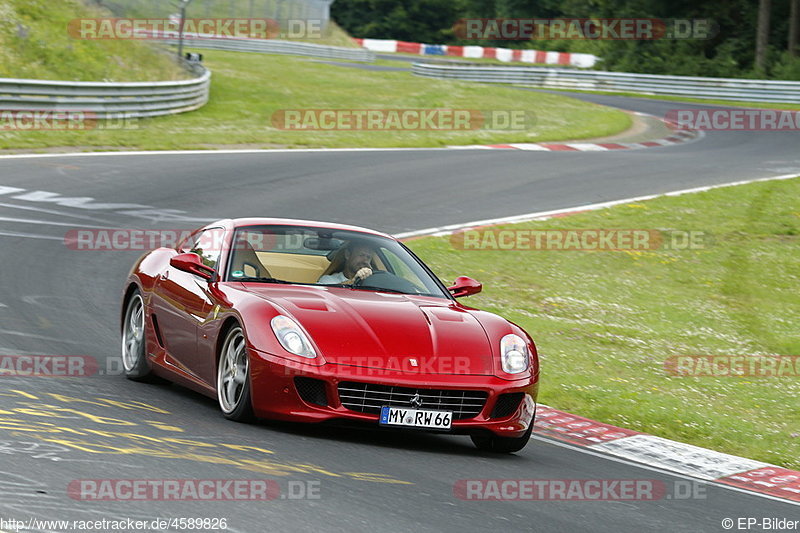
x=595 y=80
x=272 y=46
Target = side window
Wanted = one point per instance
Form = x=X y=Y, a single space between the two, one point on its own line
x=207 y=244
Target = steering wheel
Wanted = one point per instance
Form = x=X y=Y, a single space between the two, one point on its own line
x=386 y=280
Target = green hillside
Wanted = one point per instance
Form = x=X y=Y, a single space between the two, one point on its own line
x=34 y=44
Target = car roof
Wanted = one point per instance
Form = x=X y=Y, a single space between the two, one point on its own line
x=257 y=221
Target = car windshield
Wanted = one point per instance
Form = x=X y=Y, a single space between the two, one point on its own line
x=321 y=256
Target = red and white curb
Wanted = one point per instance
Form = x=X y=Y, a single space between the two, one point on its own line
x=479 y=52
x=679 y=135
x=672 y=456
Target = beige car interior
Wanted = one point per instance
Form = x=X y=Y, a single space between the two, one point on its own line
x=301 y=268
x=294 y=267
x=246 y=260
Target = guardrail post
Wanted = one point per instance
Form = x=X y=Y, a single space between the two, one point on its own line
x=184 y=3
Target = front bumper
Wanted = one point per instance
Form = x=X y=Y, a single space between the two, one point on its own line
x=275 y=395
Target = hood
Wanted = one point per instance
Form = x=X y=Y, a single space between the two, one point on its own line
x=383 y=330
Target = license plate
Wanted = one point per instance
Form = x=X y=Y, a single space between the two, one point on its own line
x=418 y=418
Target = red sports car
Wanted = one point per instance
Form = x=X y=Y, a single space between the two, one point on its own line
x=311 y=322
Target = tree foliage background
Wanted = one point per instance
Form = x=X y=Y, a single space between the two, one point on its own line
x=730 y=53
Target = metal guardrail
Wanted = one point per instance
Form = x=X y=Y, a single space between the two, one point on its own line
x=149 y=99
x=107 y=99
x=595 y=80
x=273 y=46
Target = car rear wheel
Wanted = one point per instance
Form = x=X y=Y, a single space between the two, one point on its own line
x=233 y=377
x=489 y=442
x=134 y=344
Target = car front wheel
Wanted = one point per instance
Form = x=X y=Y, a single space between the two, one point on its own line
x=134 y=343
x=233 y=377
x=489 y=442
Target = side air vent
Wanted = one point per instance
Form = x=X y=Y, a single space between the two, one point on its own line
x=506 y=404
x=157 y=330
x=311 y=391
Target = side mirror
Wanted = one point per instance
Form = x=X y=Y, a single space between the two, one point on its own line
x=464 y=286
x=191 y=263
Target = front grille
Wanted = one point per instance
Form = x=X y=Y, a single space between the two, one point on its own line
x=311 y=391
x=506 y=404
x=369 y=398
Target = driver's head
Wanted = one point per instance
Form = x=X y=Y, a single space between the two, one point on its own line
x=357 y=254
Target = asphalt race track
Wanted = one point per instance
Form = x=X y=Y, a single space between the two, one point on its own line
x=58 y=301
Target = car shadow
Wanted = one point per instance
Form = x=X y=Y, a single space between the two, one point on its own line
x=339 y=432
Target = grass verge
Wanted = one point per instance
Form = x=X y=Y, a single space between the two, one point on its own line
x=605 y=322
x=248 y=88
x=34 y=44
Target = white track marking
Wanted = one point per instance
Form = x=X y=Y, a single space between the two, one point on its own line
x=52 y=212
x=34 y=336
x=146 y=212
x=543 y=215
x=30 y=236
x=79 y=202
x=218 y=152
x=50 y=223
x=589 y=451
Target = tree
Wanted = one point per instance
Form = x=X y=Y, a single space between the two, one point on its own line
x=762 y=35
x=418 y=20
x=794 y=21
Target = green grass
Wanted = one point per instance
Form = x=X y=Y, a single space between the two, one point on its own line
x=248 y=88
x=605 y=322
x=34 y=44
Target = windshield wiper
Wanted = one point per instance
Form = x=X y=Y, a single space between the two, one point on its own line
x=380 y=289
x=263 y=280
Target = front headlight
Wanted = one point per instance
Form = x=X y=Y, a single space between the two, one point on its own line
x=292 y=337
x=514 y=354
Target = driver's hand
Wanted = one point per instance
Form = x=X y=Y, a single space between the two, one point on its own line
x=362 y=274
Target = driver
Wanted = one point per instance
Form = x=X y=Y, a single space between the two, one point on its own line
x=356 y=264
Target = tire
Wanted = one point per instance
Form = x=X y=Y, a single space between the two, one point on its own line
x=134 y=340
x=489 y=442
x=233 y=377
